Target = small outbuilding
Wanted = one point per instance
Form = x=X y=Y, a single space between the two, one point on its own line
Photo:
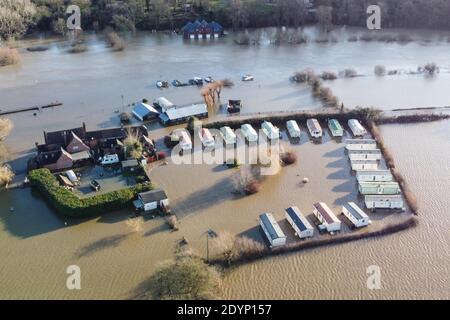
x=143 y=111
x=130 y=166
x=152 y=200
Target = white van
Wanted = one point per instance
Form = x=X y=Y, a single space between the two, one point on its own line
x=110 y=159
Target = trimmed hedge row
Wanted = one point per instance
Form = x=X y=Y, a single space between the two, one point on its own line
x=68 y=204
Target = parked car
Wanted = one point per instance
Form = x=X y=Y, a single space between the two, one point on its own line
x=162 y=84
x=247 y=77
x=178 y=83
x=234 y=106
x=208 y=79
x=95 y=185
x=197 y=81
x=110 y=159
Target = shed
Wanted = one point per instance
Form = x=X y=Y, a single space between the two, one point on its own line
x=152 y=200
x=143 y=111
x=293 y=129
x=299 y=223
x=356 y=128
x=335 y=128
x=130 y=165
x=379 y=188
x=182 y=114
x=272 y=230
x=374 y=175
x=328 y=219
x=384 y=202
x=314 y=128
x=163 y=104
x=355 y=214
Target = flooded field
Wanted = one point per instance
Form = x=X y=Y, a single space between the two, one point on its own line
x=38 y=245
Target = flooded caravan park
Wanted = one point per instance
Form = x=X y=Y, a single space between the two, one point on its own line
x=39 y=244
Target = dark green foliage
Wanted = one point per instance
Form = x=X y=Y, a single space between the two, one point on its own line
x=68 y=204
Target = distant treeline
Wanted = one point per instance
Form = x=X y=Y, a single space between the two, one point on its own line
x=172 y=14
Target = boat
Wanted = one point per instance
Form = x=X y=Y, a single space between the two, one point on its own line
x=248 y=77
x=234 y=106
x=162 y=84
x=208 y=80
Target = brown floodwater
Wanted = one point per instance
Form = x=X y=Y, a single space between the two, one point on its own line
x=37 y=246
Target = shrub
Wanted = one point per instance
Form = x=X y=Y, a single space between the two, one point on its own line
x=115 y=41
x=68 y=204
x=349 y=73
x=430 y=68
x=227 y=83
x=78 y=48
x=380 y=70
x=172 y=221
x=288 y=158
x=161 y=155
x=326 y=75
x=6 y=175
x=9 y=57
x=252 y=187
x=305 y=76
x=186 y=278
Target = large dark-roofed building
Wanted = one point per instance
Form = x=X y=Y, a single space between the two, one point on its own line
x=202 y=30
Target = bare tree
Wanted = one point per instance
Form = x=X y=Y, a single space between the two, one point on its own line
x=324 y=17
x=16 y=17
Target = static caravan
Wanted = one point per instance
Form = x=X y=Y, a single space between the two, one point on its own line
x=374 y=154
x=364 y=165
x=356 y=128
x=297 y=220
x=328 y=219
x=184 y=139
x=384 y=202
x=152 y=200
x=379 y=188
x=228 y=135
x=293 y=129
x=270 y=130
x=249 y=133
x=355 y=214
x=361 y=144
x=335 y=128
x=206 y=138
x=361 y=141
x=272 y=230
x=314 y=128
x=374 y=175
x=163 y=104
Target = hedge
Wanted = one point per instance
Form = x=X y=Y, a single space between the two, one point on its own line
x=68 y=204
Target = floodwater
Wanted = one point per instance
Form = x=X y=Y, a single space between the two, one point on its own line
x=37 y=246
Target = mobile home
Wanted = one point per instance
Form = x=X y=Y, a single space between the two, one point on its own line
x=356 y=128
x=272 y=230
x=184 y=139
x=379 y=188
x=228 y=135
x=364 y=165
x=374 y=154
x=270 y=130
x=297 y=220
x=249 y=133
x=325 y=216
x=361 y=144
x=314 y=128
x=293 y=129
x=206 y=138
x=384 y=202
x=374 y=175
x=335 y=128
x=361 y=141
x=356 y=215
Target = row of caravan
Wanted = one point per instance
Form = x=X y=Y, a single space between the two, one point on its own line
x=301 y=226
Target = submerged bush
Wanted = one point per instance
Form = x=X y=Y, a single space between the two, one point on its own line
x=78 y=48
x=349 y=73
x=380 y=70
x=115 y=41
x=327 y=75
x=9 y=57
x=288 y=157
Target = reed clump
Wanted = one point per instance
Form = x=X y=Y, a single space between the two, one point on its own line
x=9 y=57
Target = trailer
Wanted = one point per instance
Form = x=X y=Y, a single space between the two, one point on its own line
x=249 y=133
x=356 y=128
x=314 y=128
x=379 y=188
x=374 y=154
x=335 y=128
x=374 y=176
x=364 y=165
x=293 y=129
x=355 y=214
x=270 y=130
x=299 y=223
x=272 y=230
x=325 y=216
x=374 y=202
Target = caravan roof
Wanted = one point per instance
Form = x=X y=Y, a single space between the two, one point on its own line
x=298 y=218
x=271 y=226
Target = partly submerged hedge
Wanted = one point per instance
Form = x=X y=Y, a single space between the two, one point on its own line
x=68 y=204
